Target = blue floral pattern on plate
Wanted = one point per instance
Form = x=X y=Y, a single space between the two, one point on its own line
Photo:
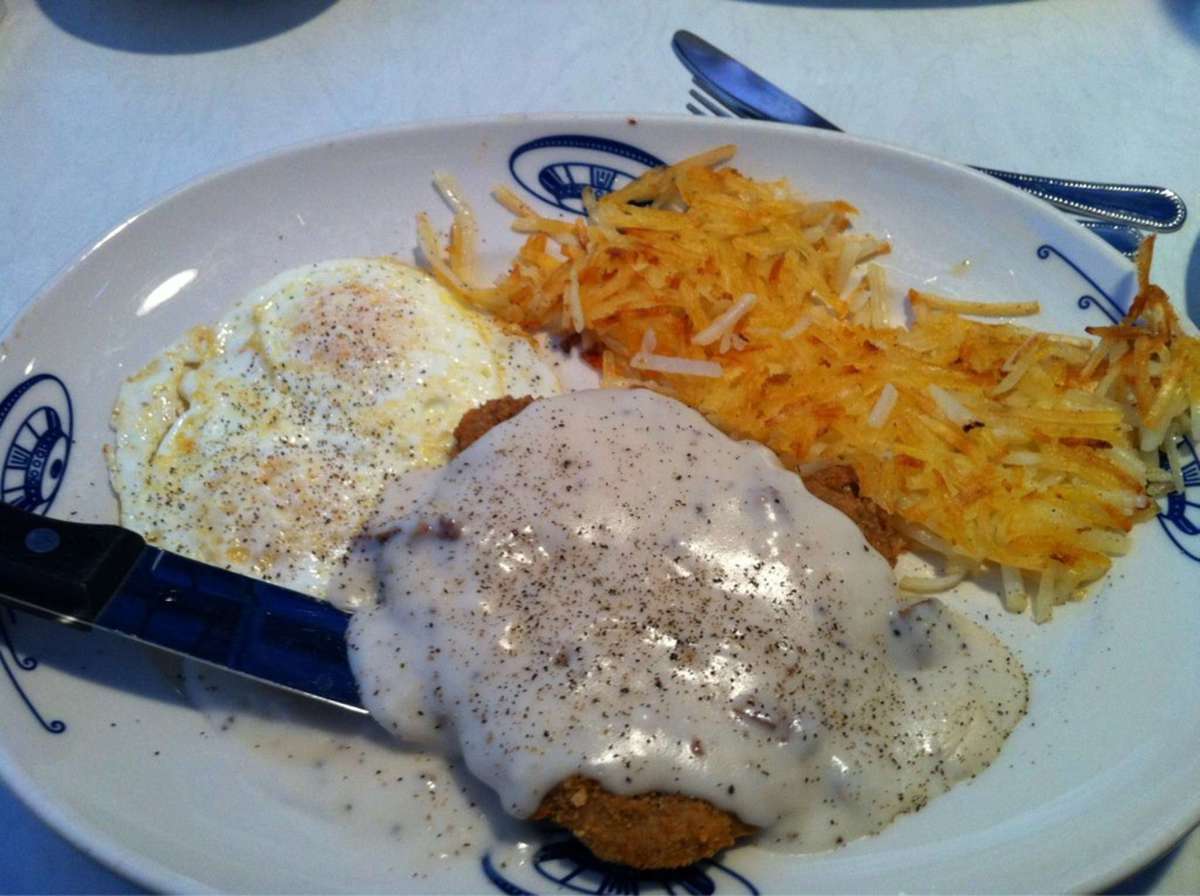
x=25 y=664
x=569 y=865
x=36 y=424
x=1101 y=300
x=557 y=169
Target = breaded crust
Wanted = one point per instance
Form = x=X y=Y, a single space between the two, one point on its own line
x=838 y=486
x=650 y=830
x=476 y=422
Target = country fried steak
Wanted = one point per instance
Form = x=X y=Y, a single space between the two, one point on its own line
x=666 y=830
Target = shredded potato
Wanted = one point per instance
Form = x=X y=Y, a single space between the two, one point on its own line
x=1032 y=452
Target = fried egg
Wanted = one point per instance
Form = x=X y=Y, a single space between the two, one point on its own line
x=262 y=443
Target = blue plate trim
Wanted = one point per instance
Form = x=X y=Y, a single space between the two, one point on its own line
x=1105 y=304
x=38 y=451
x=569 y=865
x=498 y=880
x=39 y=418
x=27 y=664
x=1180 y=521
x=555 y=169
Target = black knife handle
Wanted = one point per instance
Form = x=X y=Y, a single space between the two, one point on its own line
x=68 y=569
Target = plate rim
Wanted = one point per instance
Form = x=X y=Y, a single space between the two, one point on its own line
x=549 y=118
x=145 y=871
x=89 y=839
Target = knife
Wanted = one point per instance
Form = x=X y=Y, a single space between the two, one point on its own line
x=750 y=95
x=106 y=577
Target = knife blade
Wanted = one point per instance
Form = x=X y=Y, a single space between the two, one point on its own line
x=732 y=81
x=97 y=576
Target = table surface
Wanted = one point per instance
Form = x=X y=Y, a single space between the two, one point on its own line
x=106 y=105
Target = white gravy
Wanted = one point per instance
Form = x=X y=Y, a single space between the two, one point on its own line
x=606 y=585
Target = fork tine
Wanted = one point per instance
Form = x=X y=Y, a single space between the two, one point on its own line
x=715 y=97
x=730 y=103
x=707 y=104
x=694 y=109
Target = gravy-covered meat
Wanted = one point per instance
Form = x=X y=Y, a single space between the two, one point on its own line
x=836 y=485
x=654 y=635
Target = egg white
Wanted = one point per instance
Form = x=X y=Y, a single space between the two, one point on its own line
x=262 y=443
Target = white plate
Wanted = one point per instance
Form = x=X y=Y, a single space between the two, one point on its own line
x=1103 y=773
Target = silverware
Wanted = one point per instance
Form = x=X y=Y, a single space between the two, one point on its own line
x=95 y=576
x=1122 y=237
x=749 y=95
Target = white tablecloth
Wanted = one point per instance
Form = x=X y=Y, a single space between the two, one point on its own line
x=106 y=104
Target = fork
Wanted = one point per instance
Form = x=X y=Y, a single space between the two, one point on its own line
x=1122 y=237
x=1112 y=209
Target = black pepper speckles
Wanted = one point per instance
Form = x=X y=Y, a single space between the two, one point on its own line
x=262 y=444
x=685 y=617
